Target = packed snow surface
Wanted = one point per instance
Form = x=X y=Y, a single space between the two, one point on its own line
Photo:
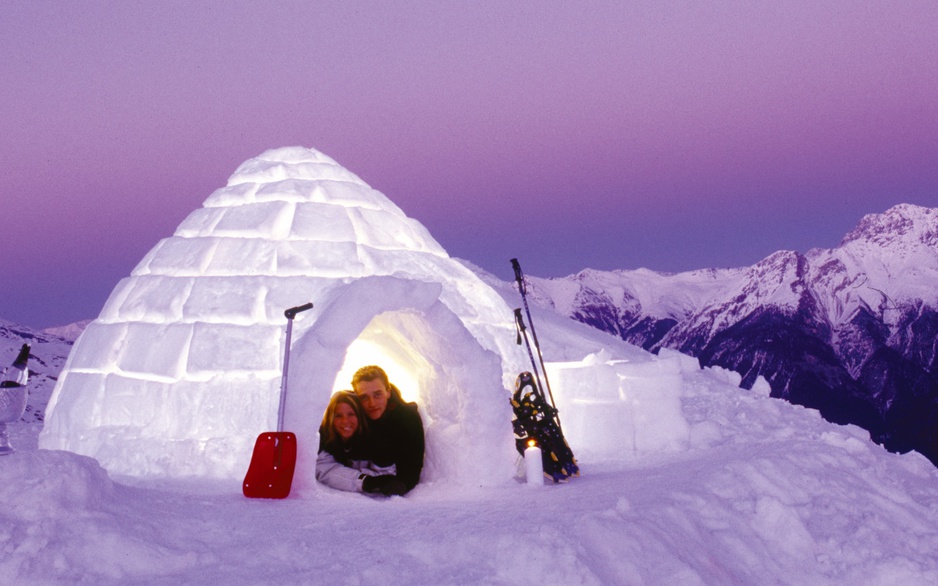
x=722 y=486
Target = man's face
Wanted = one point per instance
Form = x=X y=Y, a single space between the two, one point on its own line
x=373 y=396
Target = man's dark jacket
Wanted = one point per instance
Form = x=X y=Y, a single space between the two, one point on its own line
x=397 y=438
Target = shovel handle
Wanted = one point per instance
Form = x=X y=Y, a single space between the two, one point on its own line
x=291 y=313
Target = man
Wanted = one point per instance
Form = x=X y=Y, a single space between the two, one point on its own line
x=396 y=432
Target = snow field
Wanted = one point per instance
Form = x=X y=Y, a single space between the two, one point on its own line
x=777 y=495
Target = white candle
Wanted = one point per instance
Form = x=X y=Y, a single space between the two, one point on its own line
x=533 y=465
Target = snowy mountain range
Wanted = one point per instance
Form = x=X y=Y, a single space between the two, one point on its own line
x=851 y=331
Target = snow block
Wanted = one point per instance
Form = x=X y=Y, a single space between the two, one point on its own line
x=325 y=259
x=217 y=299
x=237 y=257
x=270 y=219
x=293 y=190
x=166 y=360
x=352 y=195
x=178 y=256
x=687 y=363
x=230 y=347
x=232 y=195
x=155 y=298
x=101 y=346
x=618 y=409
x=199 y=223
x=322 y=223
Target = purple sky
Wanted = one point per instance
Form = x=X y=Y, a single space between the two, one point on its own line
x=567 y=134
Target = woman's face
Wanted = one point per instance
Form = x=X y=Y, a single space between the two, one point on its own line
x=344 y=422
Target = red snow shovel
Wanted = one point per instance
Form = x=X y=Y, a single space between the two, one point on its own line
x=271 y=471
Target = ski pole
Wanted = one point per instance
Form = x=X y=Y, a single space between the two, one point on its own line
x=519 y=324
x=519 y=276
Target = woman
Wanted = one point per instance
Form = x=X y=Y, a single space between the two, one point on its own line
x=396 y=429
x=343 y=462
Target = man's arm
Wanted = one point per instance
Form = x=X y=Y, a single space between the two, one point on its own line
x=411 y=448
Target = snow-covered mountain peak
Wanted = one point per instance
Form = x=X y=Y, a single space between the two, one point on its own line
x=776 y=280
x=903 y=225
x=889 y=259
x=901 y=243
x=664 y=295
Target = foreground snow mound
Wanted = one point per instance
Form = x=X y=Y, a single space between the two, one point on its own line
x=52 y=484
x=64 y=521
x=762 y=493
x=181 y=371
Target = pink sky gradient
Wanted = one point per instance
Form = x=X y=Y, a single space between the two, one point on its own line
x=567 y=134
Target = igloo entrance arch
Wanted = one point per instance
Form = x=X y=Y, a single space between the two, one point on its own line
x=429 y=354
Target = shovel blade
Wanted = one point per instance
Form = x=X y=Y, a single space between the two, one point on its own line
x=270 y=474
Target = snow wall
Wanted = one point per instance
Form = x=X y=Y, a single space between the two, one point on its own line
x=613 y=408
x=182 y=369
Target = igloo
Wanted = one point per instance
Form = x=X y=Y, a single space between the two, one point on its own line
x=181 y=370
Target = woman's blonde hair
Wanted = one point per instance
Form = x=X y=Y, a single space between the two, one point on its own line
x=349 y=398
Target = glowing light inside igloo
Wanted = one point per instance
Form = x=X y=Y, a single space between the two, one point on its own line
x=407 y=369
